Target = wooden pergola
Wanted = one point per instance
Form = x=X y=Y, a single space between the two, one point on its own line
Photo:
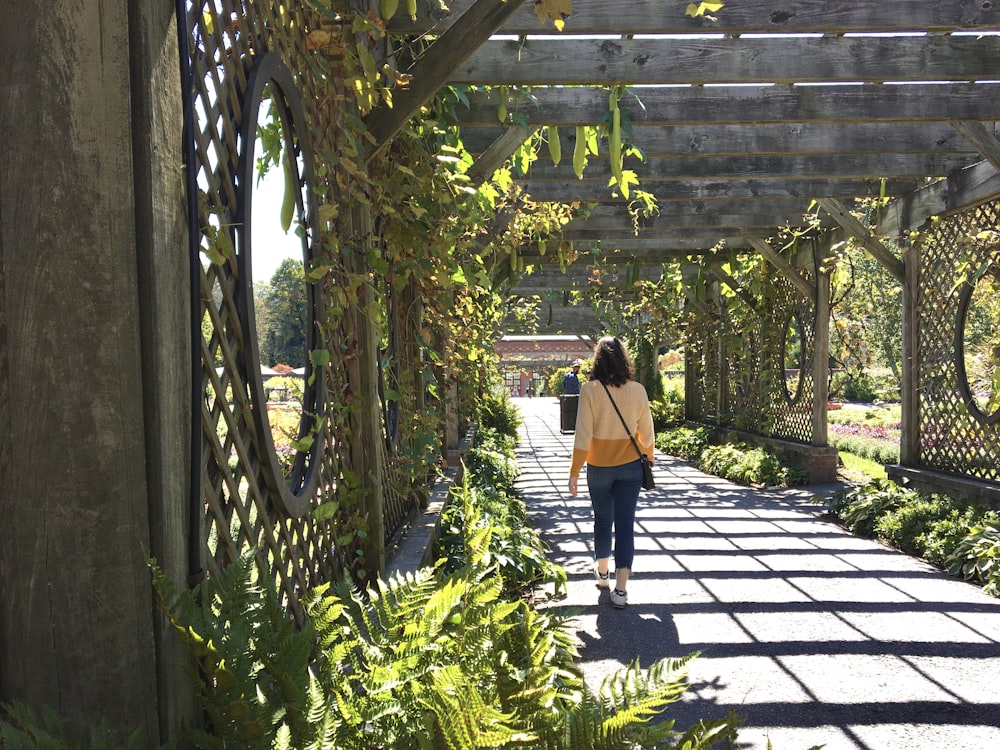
x=755 y=118
x=125 y=281
x=745 y=116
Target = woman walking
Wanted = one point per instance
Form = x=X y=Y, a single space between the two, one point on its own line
x=614 y=471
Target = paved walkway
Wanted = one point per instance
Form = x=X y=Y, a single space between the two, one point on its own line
x=814 y=636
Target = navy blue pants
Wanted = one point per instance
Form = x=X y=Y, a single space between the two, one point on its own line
x=614 y=492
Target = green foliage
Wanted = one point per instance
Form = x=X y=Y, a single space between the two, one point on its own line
x=281 y=312
x=945 y=531
x=745 y=465
x=906 y=526
x=495 y=411
x=515 y=547
x=859 y=470
x=977 y=556
x=684 y=442
x=874 y=449
x=253 y=662
x=860 y=386
x=668 y=409
x=434 y=659
x=21 y=728
x=861 y=506
x=942 y=536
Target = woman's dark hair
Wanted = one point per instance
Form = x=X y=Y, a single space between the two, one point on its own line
x=612 y=365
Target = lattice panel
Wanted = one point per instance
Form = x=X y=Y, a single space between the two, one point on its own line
x=744 y=357
x=788 y=408
x=242 y=508
x=703 y=367
x=744 y=368
x=952 y=439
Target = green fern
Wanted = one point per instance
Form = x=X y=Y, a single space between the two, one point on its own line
x=443 y=658
x=26 y=729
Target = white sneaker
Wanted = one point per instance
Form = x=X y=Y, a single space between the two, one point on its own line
x=619 y=599
x=603 y=581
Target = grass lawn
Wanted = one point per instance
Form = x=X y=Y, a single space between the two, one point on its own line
x=858 y=469
x=867 y=427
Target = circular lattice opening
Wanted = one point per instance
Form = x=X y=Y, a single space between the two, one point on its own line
x=792 y=356
x=275 y=146
x=977 y=344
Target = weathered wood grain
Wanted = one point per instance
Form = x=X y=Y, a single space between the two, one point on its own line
x=693 y=61
x=868 y=166
x=764 y=16
x=774 y=138
x=722 y=105
x=668 y=190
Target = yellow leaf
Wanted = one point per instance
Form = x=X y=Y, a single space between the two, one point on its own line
x=702 y=9
x=556 y=10
x=318 y=39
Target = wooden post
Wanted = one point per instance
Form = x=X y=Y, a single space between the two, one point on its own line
x=720 y=381
x=367 y=447
x=821 y=359
x=909 y=442
x=77 y=629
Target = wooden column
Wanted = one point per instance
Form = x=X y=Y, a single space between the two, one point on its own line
x=367 y=453
x=721 y=378
x=77 y=623
x=909 y=442
x=821 y=360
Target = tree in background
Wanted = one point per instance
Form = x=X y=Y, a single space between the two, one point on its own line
x=867 y=314
x=281 y=316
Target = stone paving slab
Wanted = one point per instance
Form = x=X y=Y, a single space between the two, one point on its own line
x=814 y=636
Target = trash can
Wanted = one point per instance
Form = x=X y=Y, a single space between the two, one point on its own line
x=568 y=405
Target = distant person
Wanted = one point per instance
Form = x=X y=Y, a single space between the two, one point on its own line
x=614 y=471
x=571 y=380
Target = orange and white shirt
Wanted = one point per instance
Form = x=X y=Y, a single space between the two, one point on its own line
x=600 y=438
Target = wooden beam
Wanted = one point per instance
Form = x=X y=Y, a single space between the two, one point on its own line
x=965 y=189
x=869 y=166
x=721 y=105
x=980 y=136
x=733 y=284
x=745 y=16
x=699 y=61
x=686 y=190
x=798 y=280
x=437 y=64
x=856 y=229
x=771 y=139
x=613 y=226
x=497 y=153
x=666 y=222
x=696 y=303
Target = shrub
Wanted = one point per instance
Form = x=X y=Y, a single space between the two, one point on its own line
x=496 y=411
x=684 y=442
x=745 y=465
x=860 y=386
x=906 y=526
x=977 y=556
x=861 y=506
x=942 y=536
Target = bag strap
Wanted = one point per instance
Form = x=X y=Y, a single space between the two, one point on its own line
x=618 y=412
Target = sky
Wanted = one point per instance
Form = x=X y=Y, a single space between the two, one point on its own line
x=270 y=244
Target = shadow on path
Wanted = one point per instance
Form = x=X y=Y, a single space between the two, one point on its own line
x=814 y=636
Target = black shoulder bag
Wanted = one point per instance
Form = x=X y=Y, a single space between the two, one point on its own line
x=647 y=471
